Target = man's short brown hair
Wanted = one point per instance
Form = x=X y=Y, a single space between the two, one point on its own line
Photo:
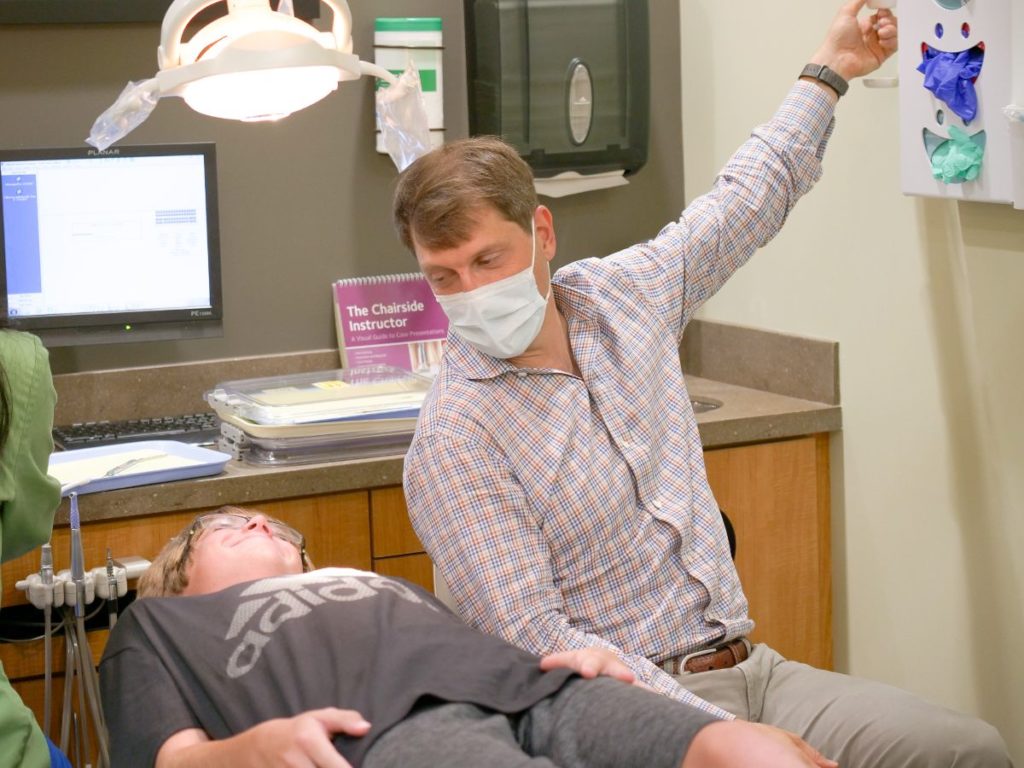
x=438 y=196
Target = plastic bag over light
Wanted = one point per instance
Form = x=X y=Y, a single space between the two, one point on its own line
x=127 y=113
x=403 y=119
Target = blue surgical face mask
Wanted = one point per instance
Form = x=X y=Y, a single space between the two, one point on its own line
x=501 y=319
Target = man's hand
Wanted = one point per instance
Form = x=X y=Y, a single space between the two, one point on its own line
x=856 y=46
x=301 y=741
x=590 y=662
x=739 y=744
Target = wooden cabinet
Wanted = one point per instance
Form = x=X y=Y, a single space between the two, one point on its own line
x=397 y=550
x=777 y=497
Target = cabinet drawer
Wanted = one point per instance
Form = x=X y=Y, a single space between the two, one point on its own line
x=392 y=532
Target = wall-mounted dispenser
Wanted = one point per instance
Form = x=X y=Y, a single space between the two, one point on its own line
x=564 y=81
x=959 y=80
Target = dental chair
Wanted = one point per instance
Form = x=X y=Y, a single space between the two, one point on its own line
x=442 y=593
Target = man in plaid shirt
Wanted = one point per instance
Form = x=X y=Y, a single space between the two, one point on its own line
x=557 y=476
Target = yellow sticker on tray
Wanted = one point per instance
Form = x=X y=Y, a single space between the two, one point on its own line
x=333 y=384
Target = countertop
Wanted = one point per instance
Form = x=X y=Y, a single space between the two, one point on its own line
x=746 y=415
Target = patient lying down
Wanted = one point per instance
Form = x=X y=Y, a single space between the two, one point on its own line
x=240 y=654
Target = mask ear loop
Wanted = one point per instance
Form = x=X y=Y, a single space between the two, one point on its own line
x=533 y=255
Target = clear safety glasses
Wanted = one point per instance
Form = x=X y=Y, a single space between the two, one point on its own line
x=235 y=521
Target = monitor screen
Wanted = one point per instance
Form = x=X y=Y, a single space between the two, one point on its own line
x=120 y=245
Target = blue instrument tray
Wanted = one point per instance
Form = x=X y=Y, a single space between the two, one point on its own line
x=109 y=467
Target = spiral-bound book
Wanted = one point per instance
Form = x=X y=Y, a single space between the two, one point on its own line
x=389 y=320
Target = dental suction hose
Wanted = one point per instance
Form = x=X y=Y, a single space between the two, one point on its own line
x=85 y=665
x=46 y=576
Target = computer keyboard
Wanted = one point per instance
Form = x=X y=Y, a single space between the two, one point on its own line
x=187 y=428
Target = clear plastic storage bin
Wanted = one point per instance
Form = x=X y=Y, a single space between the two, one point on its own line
x=375 y=393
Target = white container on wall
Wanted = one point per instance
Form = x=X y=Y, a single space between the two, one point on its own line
x=401 y=40
x=926 y=121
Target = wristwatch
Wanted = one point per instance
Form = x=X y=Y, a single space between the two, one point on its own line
x=827 y=76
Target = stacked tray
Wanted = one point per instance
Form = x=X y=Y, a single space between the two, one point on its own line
x=343 y=414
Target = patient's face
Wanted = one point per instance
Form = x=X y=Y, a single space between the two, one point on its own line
x=224 y=557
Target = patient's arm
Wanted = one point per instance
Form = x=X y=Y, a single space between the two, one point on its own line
x=301 y=740
x=590 y=662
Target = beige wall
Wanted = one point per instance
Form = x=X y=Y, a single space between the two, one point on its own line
x=924 y=297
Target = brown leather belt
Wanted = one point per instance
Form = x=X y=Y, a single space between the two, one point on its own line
x=720 y=657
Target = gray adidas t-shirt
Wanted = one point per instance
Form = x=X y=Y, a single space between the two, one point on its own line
x=273 y=648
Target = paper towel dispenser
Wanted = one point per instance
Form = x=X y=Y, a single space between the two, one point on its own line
x=567 y=82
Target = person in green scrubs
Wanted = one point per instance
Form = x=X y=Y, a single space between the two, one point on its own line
x=28 y=500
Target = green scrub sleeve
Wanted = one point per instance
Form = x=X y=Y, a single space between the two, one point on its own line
x=28 y=501
x=21 y=739
x=29 y=497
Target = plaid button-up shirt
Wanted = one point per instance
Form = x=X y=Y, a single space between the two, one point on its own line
x=569 y=512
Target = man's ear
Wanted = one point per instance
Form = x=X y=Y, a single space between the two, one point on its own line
x=545 y=223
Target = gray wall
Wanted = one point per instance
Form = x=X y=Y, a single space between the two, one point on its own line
x=307 y=200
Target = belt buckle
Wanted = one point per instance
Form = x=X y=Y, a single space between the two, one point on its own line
x=696 y=655
x=713 y=649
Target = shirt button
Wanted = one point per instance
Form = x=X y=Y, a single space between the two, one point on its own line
x=521 y=374
x=657 y=503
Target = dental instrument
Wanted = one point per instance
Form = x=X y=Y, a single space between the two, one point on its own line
x=46 y=575
x=67 y=488
x=70 y=591
x=111 y=591
x=77 y=631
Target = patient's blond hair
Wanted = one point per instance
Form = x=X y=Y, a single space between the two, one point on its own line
x=167 y=575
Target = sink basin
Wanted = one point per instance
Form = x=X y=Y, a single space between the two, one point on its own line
x=704 y=404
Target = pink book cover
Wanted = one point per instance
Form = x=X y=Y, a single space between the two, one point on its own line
x=389 y=320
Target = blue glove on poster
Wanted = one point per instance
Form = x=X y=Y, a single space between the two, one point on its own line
x=950 y=76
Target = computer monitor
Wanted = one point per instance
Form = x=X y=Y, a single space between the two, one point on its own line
x=119 y=245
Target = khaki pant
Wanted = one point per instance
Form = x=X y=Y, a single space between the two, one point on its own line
x=859 y=723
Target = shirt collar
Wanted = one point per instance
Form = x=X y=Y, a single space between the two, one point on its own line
x=471 y=362
x=477 y=366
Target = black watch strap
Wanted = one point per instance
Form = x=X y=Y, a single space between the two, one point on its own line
x=827 y=76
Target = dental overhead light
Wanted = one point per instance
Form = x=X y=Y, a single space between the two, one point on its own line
x=255 y=63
